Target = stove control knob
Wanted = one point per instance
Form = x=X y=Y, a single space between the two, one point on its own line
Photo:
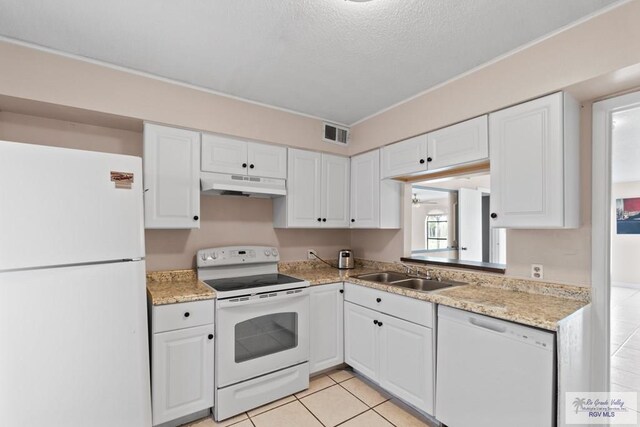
x=203 y=256
x=267 y=252
x=274 y=252
x=214 y=255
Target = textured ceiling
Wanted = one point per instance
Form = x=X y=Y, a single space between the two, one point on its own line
x=334 y=59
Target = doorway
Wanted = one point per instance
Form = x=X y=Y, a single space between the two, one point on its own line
x=616 y=243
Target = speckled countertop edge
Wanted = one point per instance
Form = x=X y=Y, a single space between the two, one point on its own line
x=175 y=286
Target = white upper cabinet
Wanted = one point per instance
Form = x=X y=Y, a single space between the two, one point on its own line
x=375 y=203
x=454 y=145
x=458 y=144
x=535 y=164
x=171 y=177
x=405 y=157
x=335 y=191
x=317 y=192
x=224 y=154
x=269 y=161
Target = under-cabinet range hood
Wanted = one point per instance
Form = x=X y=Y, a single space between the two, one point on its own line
x=216 y=184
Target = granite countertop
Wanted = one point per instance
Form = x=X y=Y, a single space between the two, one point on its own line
x=170 y=287
x=539 y=304
x=541 y=310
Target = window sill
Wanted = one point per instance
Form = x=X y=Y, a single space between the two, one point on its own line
x=455 y=263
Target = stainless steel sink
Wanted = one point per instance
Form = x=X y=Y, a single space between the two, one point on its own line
x=383 y=277
x=425 y=285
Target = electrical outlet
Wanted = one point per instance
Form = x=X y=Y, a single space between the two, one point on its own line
x=311 y=253
x=537 y=271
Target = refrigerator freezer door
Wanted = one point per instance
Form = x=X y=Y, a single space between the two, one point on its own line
x=74 y=348
x=61 y=206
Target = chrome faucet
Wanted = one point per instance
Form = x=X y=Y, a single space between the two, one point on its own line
x=414 y=269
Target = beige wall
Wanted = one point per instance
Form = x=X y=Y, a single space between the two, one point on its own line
x=625 y=248
x=41 y=76
x=225 y=220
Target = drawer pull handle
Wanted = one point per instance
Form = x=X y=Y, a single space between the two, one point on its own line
x=210 y=336
x=187 y=314
x=378 y=299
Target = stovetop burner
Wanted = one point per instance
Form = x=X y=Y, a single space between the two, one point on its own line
x=250 y=282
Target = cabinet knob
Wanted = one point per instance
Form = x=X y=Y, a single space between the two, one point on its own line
x=342 y=291
x=196 y=217
x=353 y=220
x=324 y=219
x=378 y=299
x=463 y=248
x=244 y=165
x=379 y=323
x=494 y=215
x=251 y=166
x=375 y=322
x=210 y=336
x=319 y=219
x=187 y=314
x=429 y=159
x=421 y=161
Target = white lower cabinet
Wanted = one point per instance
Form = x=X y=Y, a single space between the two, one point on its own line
x=361 y=339
x=182 y=361
x=395 y=353
x=406 y=352
x=326 y=325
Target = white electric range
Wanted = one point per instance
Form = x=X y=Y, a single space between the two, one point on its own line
x=262 y=327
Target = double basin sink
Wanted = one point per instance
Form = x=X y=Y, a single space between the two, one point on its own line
x=401 y=280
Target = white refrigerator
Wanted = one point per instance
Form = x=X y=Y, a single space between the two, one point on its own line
x=73 y=322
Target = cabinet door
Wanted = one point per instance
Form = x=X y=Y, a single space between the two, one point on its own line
x=405 y=157
x=406 y=361
x=335 y=191
x=268 y=161
x=182 y=372
x=458 y=144
x=527 y=187
x=223 y=154
x=303 y=188
x=171 y=177
x=365 y=190
x=361 y=339
x=326 y=326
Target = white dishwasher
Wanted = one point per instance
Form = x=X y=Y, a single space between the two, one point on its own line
x=492 y=372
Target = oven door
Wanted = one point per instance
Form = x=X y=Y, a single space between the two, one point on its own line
x=260 y=334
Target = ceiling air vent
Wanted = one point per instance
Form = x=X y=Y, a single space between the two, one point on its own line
x=335 y=134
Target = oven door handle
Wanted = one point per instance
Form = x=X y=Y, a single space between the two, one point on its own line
x=266 y=298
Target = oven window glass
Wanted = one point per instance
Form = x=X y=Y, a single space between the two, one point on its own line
x=266 y=335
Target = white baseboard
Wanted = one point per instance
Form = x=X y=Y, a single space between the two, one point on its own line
x=626 y=285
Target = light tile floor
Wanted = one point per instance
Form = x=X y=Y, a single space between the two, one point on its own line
x=625 y=339
x=337 y=398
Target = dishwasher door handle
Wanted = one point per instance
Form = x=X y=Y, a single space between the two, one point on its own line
x=485 y=325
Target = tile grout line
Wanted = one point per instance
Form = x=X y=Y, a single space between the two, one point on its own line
x=309 y=410
x=365 y=403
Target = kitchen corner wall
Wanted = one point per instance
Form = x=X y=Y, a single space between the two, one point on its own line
x=225 y=220
x=583 y=53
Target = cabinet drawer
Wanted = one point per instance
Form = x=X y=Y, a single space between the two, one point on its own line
x=412 y=310
x=183 y=315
